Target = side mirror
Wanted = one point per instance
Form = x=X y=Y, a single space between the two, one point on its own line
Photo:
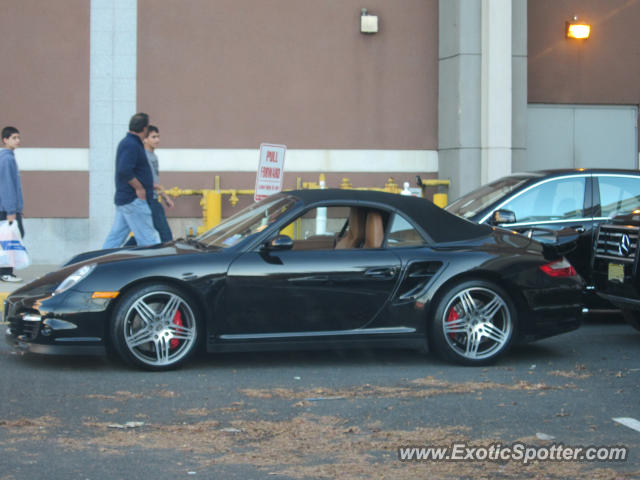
x=500 y=217
x=281 y=242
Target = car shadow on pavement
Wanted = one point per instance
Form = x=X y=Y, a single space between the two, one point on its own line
x=68 y=362
x=360 y=358
x=557 y=349
x=315 y=358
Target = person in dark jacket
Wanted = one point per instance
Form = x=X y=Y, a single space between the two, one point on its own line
x=11 y=202
x=134 y=184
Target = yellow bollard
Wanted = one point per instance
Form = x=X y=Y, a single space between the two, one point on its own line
x=288 y=231
x=211 y=209
x=440 y=199
x=346 y=183
x=391 y=186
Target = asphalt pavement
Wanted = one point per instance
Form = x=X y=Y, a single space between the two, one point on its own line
x=325 y=414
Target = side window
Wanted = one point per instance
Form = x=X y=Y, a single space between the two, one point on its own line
x=403 y=234
x=618 y=194
x=337 y=228
x=318 y=228
x=561 y=199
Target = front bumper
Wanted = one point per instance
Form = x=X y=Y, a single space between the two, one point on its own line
x=69 y=324
x=50 y=349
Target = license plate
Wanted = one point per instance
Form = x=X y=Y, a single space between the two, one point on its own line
x=616 y=272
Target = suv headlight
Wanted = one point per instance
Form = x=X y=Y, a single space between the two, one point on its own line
x=75 y=277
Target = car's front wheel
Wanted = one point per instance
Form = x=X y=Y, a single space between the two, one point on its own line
x=632 y=317
x=474 y=323
x=155 y=327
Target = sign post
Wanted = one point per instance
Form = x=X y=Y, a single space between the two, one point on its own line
x=269 y=178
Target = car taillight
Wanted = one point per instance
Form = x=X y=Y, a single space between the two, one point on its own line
x=559 y=268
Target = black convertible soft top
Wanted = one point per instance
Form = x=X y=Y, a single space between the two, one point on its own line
x=439 y=224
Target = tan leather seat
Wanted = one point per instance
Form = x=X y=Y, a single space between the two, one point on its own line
x=354 y=236
x=374 y=230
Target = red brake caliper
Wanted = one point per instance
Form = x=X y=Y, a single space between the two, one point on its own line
x=177 y=319
x=451 y=316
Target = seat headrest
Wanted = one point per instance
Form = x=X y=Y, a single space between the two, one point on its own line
x=354 y=235
x=374 y=230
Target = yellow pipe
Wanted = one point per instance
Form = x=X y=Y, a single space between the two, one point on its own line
x=434 y=182
x=211 y=201
x=181 y=192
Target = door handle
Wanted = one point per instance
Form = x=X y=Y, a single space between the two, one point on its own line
x=381 y=272
x=579 y=228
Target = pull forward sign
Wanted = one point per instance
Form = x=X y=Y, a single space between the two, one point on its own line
x=270 y=171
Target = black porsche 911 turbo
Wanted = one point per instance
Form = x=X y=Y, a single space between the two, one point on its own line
x=302 y=270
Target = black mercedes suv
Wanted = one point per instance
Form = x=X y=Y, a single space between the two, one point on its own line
x=568 y=201
x=615 y=264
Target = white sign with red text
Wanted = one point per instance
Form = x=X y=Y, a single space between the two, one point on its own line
x=270 y=170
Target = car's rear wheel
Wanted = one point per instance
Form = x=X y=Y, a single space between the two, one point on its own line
x=632 y=317
x=155 y=327
x=474 y=323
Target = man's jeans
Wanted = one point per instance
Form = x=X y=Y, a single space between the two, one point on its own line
x=133 y=217
x=160 y=221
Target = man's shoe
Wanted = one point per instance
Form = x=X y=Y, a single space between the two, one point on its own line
x=10 y=278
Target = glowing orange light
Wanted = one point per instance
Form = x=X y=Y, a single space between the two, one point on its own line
x=579 y=31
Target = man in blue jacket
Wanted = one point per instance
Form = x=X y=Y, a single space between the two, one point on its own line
x=134 y=184
x=10 y=189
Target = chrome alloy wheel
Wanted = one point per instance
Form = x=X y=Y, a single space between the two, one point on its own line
x=160 y=328
x=477 y=323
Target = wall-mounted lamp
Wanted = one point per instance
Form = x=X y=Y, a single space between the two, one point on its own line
x=579 y=30
x=368 y=22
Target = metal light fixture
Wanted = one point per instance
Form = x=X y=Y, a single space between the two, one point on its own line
x=578 y=30
x=368 y=22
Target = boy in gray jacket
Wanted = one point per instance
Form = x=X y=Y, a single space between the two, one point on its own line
x=10 y=189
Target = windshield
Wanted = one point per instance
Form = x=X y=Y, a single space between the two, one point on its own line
x=248 y=221
x=474 y=202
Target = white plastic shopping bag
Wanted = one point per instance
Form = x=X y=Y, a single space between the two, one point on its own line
x=13 y=252
x=4 y=257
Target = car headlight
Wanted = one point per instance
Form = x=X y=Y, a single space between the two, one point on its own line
x=75 y=277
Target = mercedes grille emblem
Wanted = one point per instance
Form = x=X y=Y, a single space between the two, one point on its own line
x=625 y=245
